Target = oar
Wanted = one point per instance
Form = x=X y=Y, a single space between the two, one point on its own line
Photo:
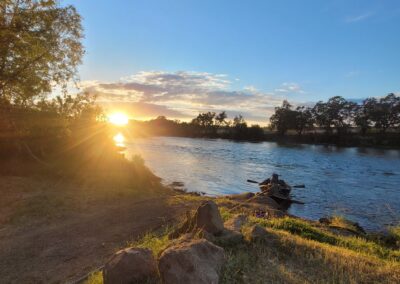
x=294 y=186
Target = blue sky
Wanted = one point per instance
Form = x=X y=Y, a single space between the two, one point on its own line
x=180 y=57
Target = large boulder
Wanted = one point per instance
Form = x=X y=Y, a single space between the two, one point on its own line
x=208 y=218
x=194 y=262
x=130 y=265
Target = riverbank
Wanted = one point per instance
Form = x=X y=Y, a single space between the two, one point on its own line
x=351 y=137
x=54 y=230
x=277 y=248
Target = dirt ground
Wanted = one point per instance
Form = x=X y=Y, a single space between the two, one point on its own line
x=52 y=231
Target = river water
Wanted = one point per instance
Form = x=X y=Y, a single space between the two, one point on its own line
x=360 y=184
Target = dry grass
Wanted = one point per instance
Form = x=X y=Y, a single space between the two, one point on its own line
x=288 y=258
x=296 y=251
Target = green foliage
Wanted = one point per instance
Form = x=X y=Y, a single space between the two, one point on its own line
x=302 y=228
x=40 y=47
x=204 y=119
x=306 y=230
x=340 y=114
x=220 y=119
x=284 y=118
x=155 y=241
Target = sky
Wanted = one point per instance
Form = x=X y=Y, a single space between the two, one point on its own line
x=181 y=57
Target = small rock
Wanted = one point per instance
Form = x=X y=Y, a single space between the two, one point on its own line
x=236 y=223
x=208 y=218
x=195 y=262
x=130 y=265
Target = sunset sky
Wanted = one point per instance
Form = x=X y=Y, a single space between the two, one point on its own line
x=177 y=58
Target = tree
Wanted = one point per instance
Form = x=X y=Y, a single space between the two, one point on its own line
x=303 y=119
x=284 y=118
x=364 y=114
x=386 y=112
x=40 y=46
x=220 y=119
x=239 y=127
x=205 y=119
x=336 y=112
x=239 y=122
x=82 y=106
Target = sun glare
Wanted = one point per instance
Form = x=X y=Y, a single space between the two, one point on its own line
x=119 y=139
x=118 y=118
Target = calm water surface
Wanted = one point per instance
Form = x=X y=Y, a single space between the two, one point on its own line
x=361 y=184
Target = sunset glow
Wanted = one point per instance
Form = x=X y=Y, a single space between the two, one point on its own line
x=118 y=118
x=119 y=139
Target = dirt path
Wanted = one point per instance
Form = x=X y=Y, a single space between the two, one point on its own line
x=53 y=250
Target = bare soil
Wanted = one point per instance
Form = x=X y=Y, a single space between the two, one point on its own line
x=53 y=231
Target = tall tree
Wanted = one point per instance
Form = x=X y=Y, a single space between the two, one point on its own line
x=40 y=47
x=205 y=119
x=220 y=119
x=386 y=112
x=364 y=114
x=239 y=122
x=336 y=112
x=284 y=118
x=303 y=119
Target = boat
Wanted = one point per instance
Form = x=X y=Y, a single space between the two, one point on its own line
x=280 y=192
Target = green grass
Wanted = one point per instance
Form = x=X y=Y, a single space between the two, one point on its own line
x=343 y=223
x=156 y=242
x=297 y=251
x=226 y=214
x=306 y=230
x=95 y=278
x=395 y=232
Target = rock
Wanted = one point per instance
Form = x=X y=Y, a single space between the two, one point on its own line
x=195 y=262
x=229 y=237
x=236 y=223
x=130 y=265
x=208 y=218
x=258 y=233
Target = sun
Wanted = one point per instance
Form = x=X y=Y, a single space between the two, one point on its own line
x=118 y=118
x=119 y=138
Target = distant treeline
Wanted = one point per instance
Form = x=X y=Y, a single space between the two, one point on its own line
x=374 y=122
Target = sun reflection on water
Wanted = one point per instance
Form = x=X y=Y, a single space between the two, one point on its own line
x=119 y=140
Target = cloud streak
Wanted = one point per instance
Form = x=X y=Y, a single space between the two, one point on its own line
x=184 y=94
x=358 y=18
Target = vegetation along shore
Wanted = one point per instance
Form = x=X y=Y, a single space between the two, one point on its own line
x=374 y=122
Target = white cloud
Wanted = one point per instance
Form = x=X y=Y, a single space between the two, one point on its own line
x=290 y=88
x=185 y=94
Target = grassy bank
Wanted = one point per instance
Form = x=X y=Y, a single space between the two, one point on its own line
x=296 y=251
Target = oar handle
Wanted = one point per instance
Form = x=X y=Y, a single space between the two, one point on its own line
x=252 y=181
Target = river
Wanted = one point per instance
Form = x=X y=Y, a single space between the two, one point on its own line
x=357 y=183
